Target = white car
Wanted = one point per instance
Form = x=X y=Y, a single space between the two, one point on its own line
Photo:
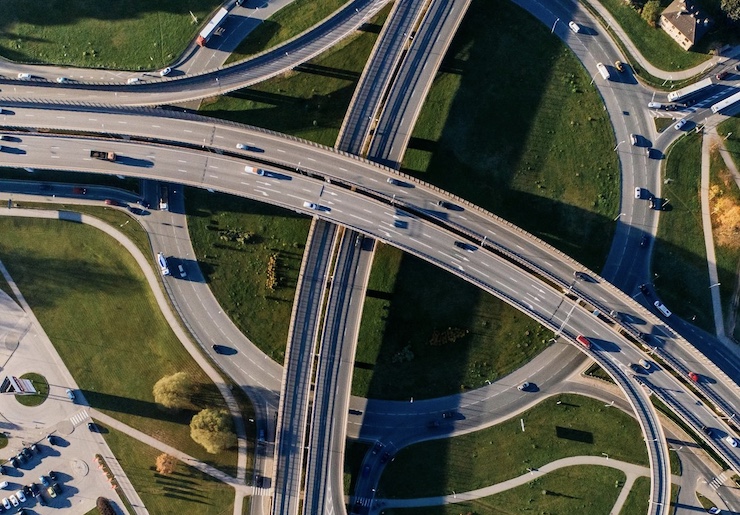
x=522 y=387
x=645 y=364
x=574 y=27
x=4 y=485
x=165 y=72
x=21 y=496
x=661 y=307
x=731 y=441
x=6 y=503
x=14 y=501
x=680 y=124
x=133 y=80
x=310 y=205
x=183 y=273
x=638 y=192
x=251 y=169
x=241 y=146
x=62 y=80
x=24 y=76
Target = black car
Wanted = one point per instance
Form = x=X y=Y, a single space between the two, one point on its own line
x=20 y=457
x=15 y=461
x=644 y=241
x=445 y=204
x=34 y=489
x=448 y=414
x=50 y=439
x=706 y=430
x=56 y=487
x=42 y=500
x=27 y=490
x=645 y=290
x=91 y=426
x=377 y=447
x=27 y=453
x=52 y=474
x=385 y=457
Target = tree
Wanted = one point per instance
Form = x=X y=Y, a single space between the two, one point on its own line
x=165 y=463
x=651 y=12
x=104 y=507
x=174 y=391
x=731 y=8
x=212 y=428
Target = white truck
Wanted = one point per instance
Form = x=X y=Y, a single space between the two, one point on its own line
x=163 y=264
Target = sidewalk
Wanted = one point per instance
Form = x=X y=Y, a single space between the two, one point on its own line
x=645 y=64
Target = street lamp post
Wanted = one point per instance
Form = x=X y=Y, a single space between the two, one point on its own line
x=715 y=284
x=553 y=25
x=615 y=148
x=605 y=454
x=618 y=216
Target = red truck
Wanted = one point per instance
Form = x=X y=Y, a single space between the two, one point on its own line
x=583 y=341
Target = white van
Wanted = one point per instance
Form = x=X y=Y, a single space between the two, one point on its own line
x=656 y=105
x=603 y=71
x=661 y=307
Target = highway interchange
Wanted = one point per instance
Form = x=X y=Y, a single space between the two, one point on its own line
x=431 y=233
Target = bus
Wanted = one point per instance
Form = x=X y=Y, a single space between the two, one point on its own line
x=211 y=27
x=688 y=91
x=163 y=264
x=723 y=104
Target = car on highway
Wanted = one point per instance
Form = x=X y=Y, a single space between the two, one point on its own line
x=395 y=182
x=445 y=204
x=448 y=414
x=694 y=376
x=706 y=430
x=467 y=247
x=638 y=192
x=731 y=441
x=91 y=427
x=574 y=27
x=70 y=394
x=311 y=205
x=619 y=65
x=524 y=386
x=661 y=307
x=223 y=349
x=644 y=240
x=635 y=139
x=680 y=124
x=385 y=457
x=79 y=191
x=24 y=76
x=133 y=80
x=583 y=276
x=110 y=202
x=165 y=72
x=62 y=80
x=723 y=75
x=377 y=447
x=182 y=271
x=645 y=364
x=258 y=171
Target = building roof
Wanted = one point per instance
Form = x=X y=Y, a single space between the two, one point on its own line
x=685 y=16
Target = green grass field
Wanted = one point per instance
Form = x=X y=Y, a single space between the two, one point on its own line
x=682 y=280
x=653 y=43
x=637 y=500
x=130 y=34
x=97 y=309
x=578 y=426
x=534 y=145
x=586 y=489
x=725 y=206
x=237 y=273
x=309 y=102
x=407 y=301
x=187 y=490
x=42 y=390
x=289 y=21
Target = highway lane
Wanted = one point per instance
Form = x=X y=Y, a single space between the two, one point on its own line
x=324 y=485
x=293 y=413
x=171 y=90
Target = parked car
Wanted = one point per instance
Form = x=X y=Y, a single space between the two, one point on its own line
x=52 y=475
x=21 y=496
x=14 y=501
x=52 y=493
x=6 y=503
x=44 y=481
x=35 y=448
x=4 y=485
x=91 y=427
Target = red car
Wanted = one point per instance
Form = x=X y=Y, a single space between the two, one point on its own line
x=694 y=376
x=79 y=191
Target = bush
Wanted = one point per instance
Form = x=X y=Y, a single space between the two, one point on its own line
x=165 y=464
x=213 y=429
x=174 y=391
x=651 y=12
x=104 y=506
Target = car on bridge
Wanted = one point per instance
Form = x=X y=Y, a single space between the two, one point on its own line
x=731 y=441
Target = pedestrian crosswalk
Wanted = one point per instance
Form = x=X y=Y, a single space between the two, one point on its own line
x=718 y=481
x=79 y=418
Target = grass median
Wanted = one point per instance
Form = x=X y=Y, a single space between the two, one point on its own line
x=586 y=489
x=130 y=35
x=291 y=20
x=427 y=333
x=577 y=426
x=680 y=271
x=310 y=101
x=186 y=490
x=97 y=309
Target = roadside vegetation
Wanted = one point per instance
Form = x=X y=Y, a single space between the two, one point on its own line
x=86 y=290
x=427 y=333
x=112 y=181
x=184 y=490
x=534 y=146
x=243 y=247
x=578 y=426
x=585 y=489
x=637 y=500
x=291 y=20
x=42 y=390
x=310 y=101
x=724 y=201
x=680 y=273
x=653 y=43
x=131 y=35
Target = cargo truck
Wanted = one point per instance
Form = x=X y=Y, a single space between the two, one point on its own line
x=105 y=156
